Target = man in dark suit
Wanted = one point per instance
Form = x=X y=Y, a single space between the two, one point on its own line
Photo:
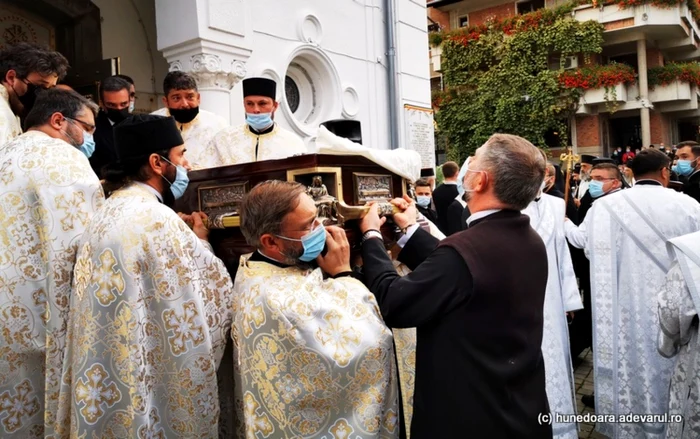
x=446 y=193
x=688 y=166
x=476 y=299
x=424 y=200
x=115 y=101
x=457 y=215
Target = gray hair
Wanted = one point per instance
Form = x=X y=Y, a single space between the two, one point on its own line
x=551 y=170
x=264 y=208
x=517 y=168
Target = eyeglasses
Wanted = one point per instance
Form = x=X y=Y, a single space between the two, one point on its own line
x=316 y=224
x=602 y=179
x=89 y=128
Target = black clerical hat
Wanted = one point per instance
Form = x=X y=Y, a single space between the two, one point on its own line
x=577 y=168
x=601 y=160
x=587 y=159
x=427 y=172
x=143 y=134
x=348 y=129
x=260 y=87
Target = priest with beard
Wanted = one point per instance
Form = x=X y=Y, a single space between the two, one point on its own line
x=260 y=137
x=151 y=304
x=198 y=127
x=313 y=357
x=49 y=194
x=553 y=182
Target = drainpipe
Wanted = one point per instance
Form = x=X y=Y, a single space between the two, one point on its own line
x=390 y=16
x=644 y=91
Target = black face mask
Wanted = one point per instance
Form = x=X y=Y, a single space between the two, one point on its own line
x=29 y=97
x=184 y=115
x=117 y=116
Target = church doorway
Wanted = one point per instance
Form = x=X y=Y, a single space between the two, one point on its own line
x=71 y=27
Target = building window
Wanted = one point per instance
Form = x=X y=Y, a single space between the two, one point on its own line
x=313 y=91
x=463 y=21
x=529 y=6
x=436 y=83
x=291 y=92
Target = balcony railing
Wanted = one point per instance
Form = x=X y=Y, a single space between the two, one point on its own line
x=676 y=96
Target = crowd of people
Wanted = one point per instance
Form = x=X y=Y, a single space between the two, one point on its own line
x=116 y=314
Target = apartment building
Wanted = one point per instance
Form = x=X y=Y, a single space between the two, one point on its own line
x=643 y=37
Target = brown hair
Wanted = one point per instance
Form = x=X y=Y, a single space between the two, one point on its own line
x=450 y=169
x=611 y=168
x=422 y=182
x=264 y=208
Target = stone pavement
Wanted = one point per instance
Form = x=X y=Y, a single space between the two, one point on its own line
x=583 y=381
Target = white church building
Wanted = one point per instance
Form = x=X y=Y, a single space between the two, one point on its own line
x=365 y=60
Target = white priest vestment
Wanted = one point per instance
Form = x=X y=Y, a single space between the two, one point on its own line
x=198 y=135
x=236 y=145
x=10 y=126
x=150 y=314
x=679 y=307
x=562 y=295
x=625 y=236
x=405 y=341
x=313 y=357
x=48 y=193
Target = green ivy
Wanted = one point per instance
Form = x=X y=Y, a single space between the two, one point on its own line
x=497 y=78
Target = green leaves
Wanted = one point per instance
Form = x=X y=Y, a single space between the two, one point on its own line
x=498 y=78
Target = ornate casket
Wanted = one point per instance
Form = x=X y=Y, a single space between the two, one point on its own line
x=344 y=181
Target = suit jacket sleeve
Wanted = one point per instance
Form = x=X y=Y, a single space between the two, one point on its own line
x=454 y=218
x=433 y=289
x=418 y=248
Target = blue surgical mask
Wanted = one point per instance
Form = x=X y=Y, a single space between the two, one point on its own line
x=259 y=122
x=178 y=186
x=595 y=188
x=684 y=167
x=88 y=145
x=460 y=177
x=313 y=243
x=423 y=201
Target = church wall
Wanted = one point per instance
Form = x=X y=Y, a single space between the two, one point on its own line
x=334 y=52
x=129 y=32
x=350 y=36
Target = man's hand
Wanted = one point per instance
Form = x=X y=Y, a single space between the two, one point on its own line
x=409 y=216
x=371 y=221
x=198 y=226
x=337 y=258
x=577 y=202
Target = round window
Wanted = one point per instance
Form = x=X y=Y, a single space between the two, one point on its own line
x=291 y=92
x=311 y=90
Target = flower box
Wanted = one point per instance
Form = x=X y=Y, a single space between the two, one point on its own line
x=617 y=93
x=674 y=91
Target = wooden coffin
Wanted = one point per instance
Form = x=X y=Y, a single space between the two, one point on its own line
x=353 y=180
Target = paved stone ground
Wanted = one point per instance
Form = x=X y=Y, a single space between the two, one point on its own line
x=583 y=381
